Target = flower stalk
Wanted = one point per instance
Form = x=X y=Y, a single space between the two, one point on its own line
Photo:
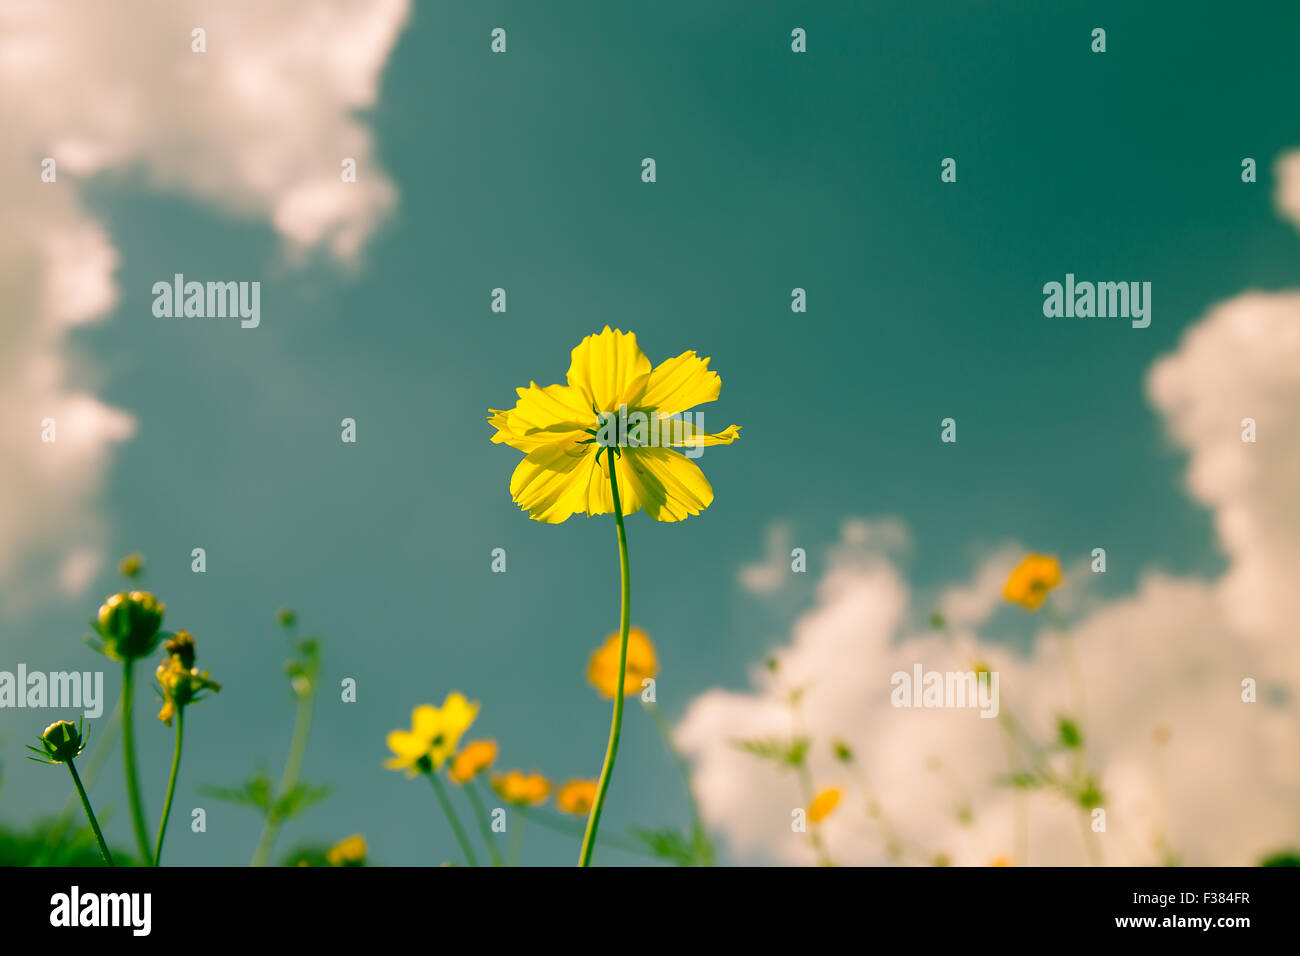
x=171 y=786
x=450 y=812
x=616 y=724
x=90 y=815
x=128 y=756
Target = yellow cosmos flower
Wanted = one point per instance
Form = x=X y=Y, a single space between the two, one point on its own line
x=180 y=680
x=1034 y=576
x=602 y=670
x=823 y=804
x=434 y=734
x=350 y=851
x=527 y=790
x=562 y=429
x=576 y=797
x=475 y=757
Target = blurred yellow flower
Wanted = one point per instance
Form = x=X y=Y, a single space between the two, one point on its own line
x=602 y=670
x=1000 y=861
x=528 y=790
x=824 y=804
x=576 y=797
x=180 y=680
x=562 y=430
x=434 y=734
x=350 y=851
x=475 y=757
x=1034 y=576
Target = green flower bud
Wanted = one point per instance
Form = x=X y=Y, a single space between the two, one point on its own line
x=62 y=741
x=286 y=617
x=129 y=622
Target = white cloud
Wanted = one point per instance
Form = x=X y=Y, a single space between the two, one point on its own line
x=257 y=125
x=1173 y=655
x=769 y=575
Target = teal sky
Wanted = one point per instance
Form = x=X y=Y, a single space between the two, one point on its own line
x=775 y=171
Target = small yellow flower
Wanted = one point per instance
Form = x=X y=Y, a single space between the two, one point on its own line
x=131 y=565
x=602 y=671
x=475 y=757
x=824 y=804
x=1033 y=577
x=180 y=680
x=1000 y=861
x=434 y=734
x=350 y=851
x=563 y=430
x=527 y=790
x=576 y=797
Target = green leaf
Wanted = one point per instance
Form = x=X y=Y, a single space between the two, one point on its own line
x=255 y=792
x=668 y=844
x=1068 y=733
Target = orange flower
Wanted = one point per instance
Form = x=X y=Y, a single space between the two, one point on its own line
x=823 y=804
x=475 y=757
x=602 y=671
x=528 y=790
x=576 y=797
x=1034 y=576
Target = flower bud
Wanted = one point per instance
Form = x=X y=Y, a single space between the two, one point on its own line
x=62 y=741
x=131 y=566
x=181 y=645
x=129 y=622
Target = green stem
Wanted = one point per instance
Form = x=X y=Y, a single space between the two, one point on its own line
x=171 y=785
x=289 y=779
x=616 y=724
x=54 y=836
x=90 y=815
x=128 y=754
x=699 y=834
x=454 y=820
x=484 y=828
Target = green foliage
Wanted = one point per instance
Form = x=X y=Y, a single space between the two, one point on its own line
x=1282 y=858
x=786 y=753
x=256 y=793
x=674 y=846
x=43 y=845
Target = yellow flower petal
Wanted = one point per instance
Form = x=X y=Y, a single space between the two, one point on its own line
x=668 y=485
x=680 y=383
x=543 y=416
x=609 y=369
x=679 y=433
x=554 y=481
